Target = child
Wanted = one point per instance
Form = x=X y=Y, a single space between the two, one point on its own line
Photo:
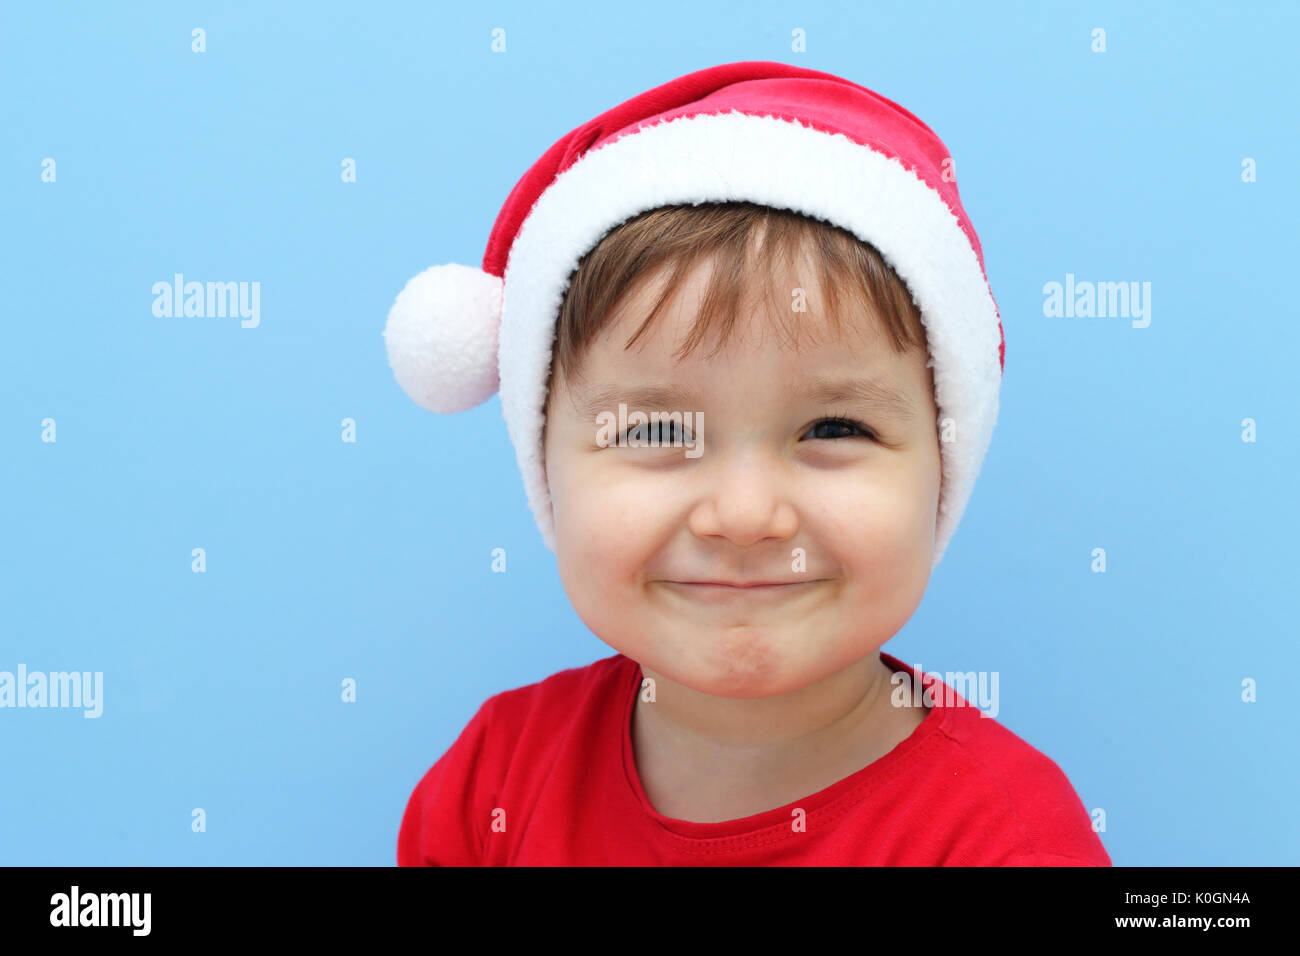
x=745 y=525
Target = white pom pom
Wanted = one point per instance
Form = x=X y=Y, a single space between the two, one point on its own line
x=442 y=337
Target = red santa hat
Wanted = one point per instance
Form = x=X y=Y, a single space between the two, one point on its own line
x=766 y=133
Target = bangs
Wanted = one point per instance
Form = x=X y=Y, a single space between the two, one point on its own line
x=744 y=241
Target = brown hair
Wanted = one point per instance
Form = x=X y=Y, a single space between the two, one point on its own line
x=683 y=235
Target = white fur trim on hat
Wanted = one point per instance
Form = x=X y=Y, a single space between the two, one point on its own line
x=779 y=163
x=442 y=337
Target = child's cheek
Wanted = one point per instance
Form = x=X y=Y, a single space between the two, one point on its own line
x=895 y=561
x=599 y=520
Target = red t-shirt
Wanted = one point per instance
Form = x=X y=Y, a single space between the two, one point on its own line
x=544 y=775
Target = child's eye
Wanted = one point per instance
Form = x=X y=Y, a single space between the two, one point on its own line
x=838 y=426
x=664 y=432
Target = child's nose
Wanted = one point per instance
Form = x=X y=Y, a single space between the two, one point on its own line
x=745 y=501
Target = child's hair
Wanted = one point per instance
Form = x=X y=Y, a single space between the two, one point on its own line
x=683 y=235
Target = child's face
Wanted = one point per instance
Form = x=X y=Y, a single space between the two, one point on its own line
x=634 y=524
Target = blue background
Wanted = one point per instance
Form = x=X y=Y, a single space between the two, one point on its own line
x=371 y=560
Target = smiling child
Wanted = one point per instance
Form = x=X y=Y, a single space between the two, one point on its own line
x=765 y=276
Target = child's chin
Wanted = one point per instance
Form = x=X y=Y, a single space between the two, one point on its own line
x=741 y=664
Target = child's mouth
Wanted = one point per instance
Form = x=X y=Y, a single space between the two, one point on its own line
x=726 y=591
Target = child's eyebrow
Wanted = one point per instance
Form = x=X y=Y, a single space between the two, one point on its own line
x=878 y=396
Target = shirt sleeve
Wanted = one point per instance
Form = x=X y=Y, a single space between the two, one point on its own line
x=445 y=821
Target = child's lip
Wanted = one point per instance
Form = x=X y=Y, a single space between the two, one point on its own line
x=741 y=585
